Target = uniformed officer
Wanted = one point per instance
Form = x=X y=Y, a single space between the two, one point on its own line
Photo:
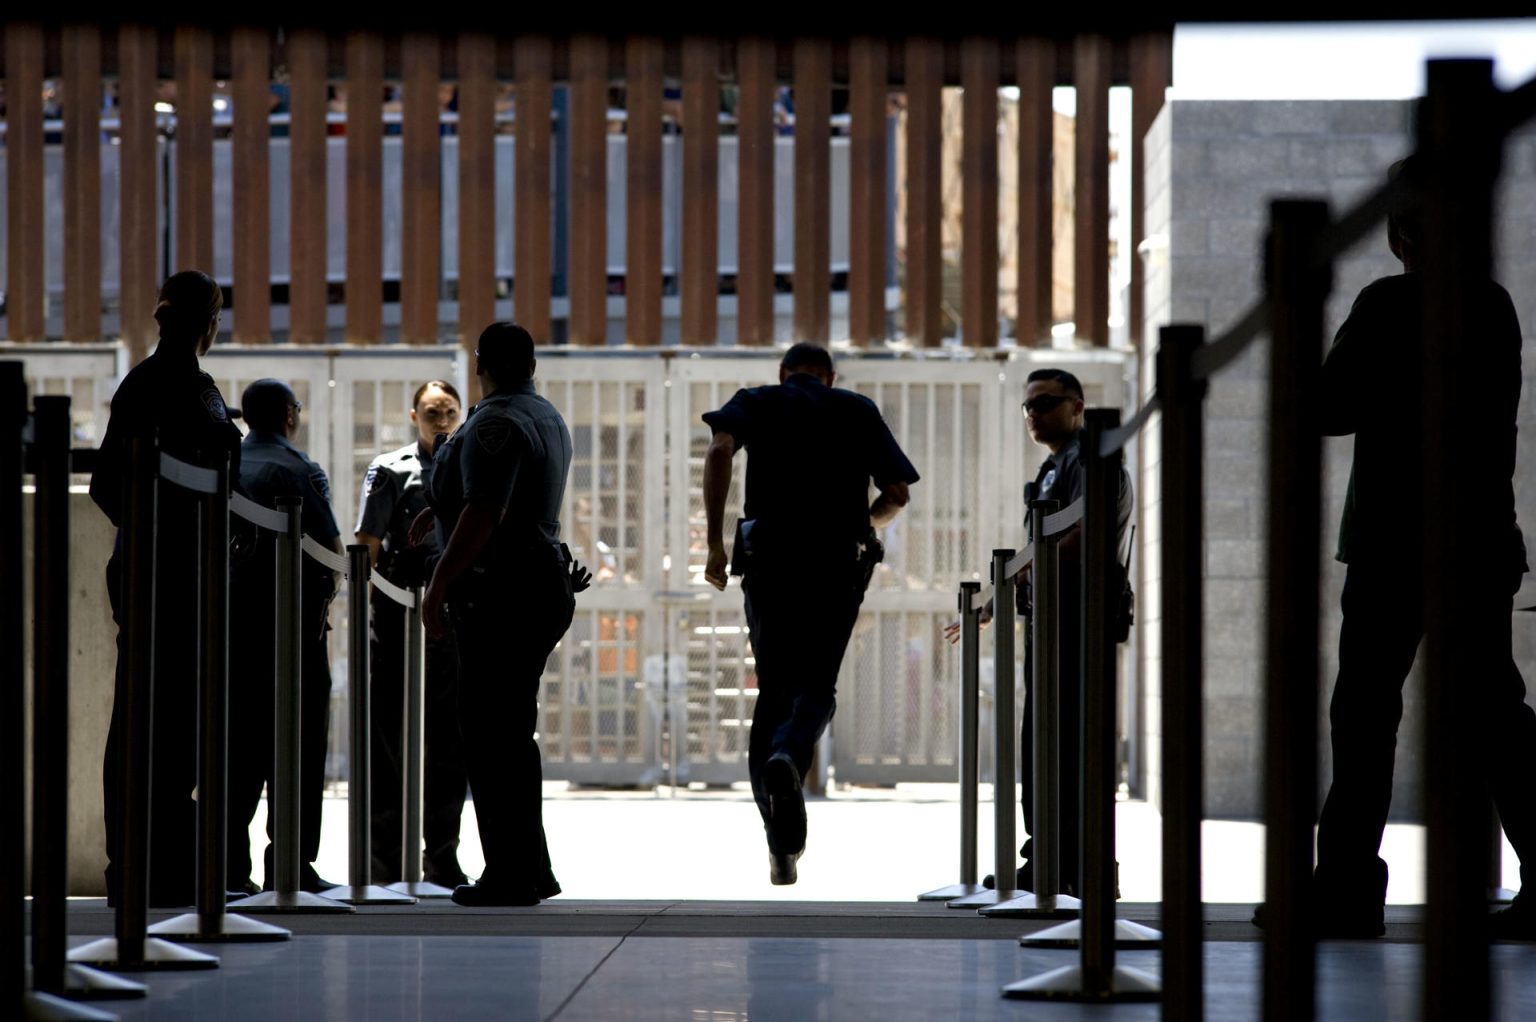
x=393 y=496
x=509 y=586
x=1053 y=408
x=169 y=396
x=805 y=547
x=271 y=467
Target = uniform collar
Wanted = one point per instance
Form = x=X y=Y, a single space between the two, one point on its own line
x=526 y=387
x=264 y=436
x=805 y=380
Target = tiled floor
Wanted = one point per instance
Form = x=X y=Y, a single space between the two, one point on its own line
x=589 y=960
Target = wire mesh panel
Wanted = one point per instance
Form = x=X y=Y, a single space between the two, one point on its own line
x=600 y=710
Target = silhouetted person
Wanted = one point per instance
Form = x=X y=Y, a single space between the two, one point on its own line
x=393 y=495
x=169 y=396
x=806 y=548
x=1053 y=408
x=509 y=588
x=271 y=467
x=1371 y=384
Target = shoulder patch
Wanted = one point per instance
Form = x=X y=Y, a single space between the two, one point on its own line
x=371 y=480
x=493 y=432
x=318 y=480
x=214 y=402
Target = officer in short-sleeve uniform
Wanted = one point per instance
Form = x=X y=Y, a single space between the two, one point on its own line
x=168 y=396
x=496 y=489
x=812 y=452
x=393 y=495
x=271 y=467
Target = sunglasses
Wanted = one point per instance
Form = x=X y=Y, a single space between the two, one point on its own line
x=1046 y=403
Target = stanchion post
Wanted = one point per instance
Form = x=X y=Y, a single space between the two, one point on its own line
x=13 y=853
x=1097 y=977
x=211 y=923
x=1045 y=638
x=413 y=739
x=360 y=890
x=1465 y=581
x=287 y=724
x=970 y=664
x=130 y=947
x=1181 y=457
x=1297 y=291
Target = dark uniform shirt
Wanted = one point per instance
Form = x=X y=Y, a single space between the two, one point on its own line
x=811 y=453
x=393 y=495
x=1371 y=387
x=168 y=393
x=514 y=452
x=271 y=467
x=1061 y=478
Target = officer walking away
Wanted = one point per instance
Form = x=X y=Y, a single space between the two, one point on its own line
x=166 y=396
x=508 y=585
x=271 y=467
x=393 y=495
x=806 y=548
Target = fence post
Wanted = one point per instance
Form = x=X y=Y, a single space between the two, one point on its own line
x=970 y=643
x=1181 y=463
x=1297 y=291
x=360 y=889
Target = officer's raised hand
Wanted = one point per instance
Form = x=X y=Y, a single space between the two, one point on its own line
x=714 y=569
x=422 y=525
x=581 y=578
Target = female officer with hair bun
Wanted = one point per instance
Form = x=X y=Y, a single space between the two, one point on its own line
x=166 y=396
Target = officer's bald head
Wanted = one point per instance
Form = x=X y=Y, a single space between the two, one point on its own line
x=811 y=359
x=267 y=404
x=505 y=353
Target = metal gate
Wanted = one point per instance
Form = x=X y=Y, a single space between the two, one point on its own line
x=655 y=681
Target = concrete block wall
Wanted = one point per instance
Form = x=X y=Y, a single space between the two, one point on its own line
x=1213 y=169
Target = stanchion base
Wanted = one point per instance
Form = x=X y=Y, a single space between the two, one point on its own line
x=48 y=1008
x=187 y=929
x=83 y=983
x=1066 y=984
x=1500 y=896
x=1129 y=936
x=983 y=898
x=952 y=892
x=296 y=902
x=159 y=955
x=368 y=894
x=419 y=889
x=1035 y=906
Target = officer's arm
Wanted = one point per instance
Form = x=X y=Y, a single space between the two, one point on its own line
x=717 y=484
x=469 y=538
x=374 y=545
x=888 y=505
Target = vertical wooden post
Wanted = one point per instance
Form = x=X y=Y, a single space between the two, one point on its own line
x=700 y=271
x=308 y=288
x=138 y=169
x=924 y=291
x=1090 y=241
x=1037 y=121
x=589 y=190
x=478 y=212
x=1151 y=74
x=867 y=194
x=421 y=228
x=251 y=54
x=757 y=73
x=82 y=182
x=813 y=190
x=978 y=265
x=531 y=248
x=642 y=195
x=24 y=182
x=194 y=149
x=365 y=184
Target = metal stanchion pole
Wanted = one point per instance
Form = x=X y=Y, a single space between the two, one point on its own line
x=287 y=724
x=970 y=643
x=1465 y=583
x=211 y=923
x=1004 y=786
x=1046 y=901
x=13 y=852
x=1097 y=977
x=1297 y=291
x=51 y=974
x=360 y=890
x=1183 y=622
x=130 y=947
x=412 y=745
